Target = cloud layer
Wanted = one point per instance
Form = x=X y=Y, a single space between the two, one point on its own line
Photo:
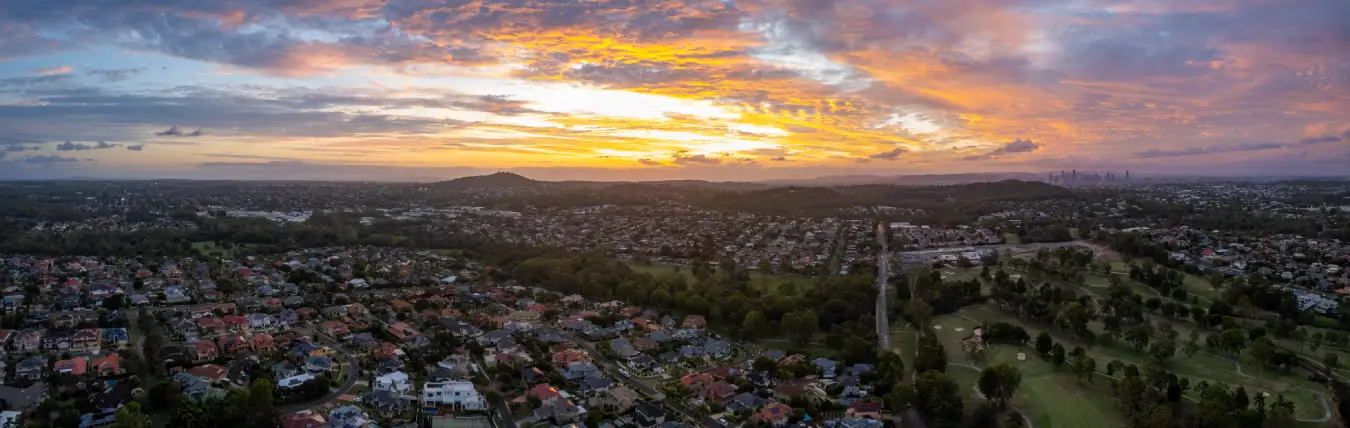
x=747 y=85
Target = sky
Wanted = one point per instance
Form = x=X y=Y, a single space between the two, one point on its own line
x=670 y=89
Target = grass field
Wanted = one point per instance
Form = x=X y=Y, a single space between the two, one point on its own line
x=208 y=247
x=1201 y=366
x=766 y=283
x=1043 y=391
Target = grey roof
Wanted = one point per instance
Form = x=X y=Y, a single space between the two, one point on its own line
x=22 y=398
x=745 y=400
x=594 y=383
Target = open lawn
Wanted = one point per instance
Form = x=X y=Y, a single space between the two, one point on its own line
x=767 y=283
x=212 y=247
x=1043 y=391
x=1202 y=366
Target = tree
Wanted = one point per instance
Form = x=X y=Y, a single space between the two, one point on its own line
x=1044 y=343
x=1330 y=362
x=1280 y=417
x=1232 y=340
x=1058 y=356
x=1139 y=335
x=754 y=324
x=938 y=398
x=1083 y=366
x=261 y=409
x=998 y=383
x=1130 y=392
x=931 y=357
x=1163 y=350
x=1215 y=279
x=1156 y=416
x=1192 y=345
x=918 y=311
x=1263 y=350
x=131 y=416
x=765 y=364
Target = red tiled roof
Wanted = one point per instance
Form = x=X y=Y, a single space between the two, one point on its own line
x=76 y=366
x=209 y=371
x=109 y=364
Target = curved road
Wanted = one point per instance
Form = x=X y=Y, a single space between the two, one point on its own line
x=353 y=371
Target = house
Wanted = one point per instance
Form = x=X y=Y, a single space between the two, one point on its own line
x=204 y=350
x=762 y=379
x=453 y=394
x=389 y=402
x=622 y=347
x=644 y=363
x=23 y=399
x=349 y=417
x=284 y=370
x=774 y=414
x=262 y=323
x=286 y=318
x=115 y=338
x=319 y=364
x=28 y=341
x=593 y=387
x=864 y=409
x=211 y=325
x=294 y=382
x=531 y=374
x=196 y=389
x=234 y=344
x=174 y=354
x=645 y=344
x=716 y=391
x=567 y=357
x=58 y=340
x=77 y=366
x=649 y=414
x=826 y=366
x=181 y=328
x=303 y=419
x=110 y=365
x=402 y=331
x=397 y=382
x=263 y=343
x=579 y=370
x=719 y=349
x=745 y=401
x=210 y=373
x=800 y=389
x=694 y=322
x=237 y=324
x=618 y=399
x=336 y=329
x=560 y=411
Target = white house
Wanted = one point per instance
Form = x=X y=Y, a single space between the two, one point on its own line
x=262 y=323
x=294 y=381
x=396 y=382
x=455 y=393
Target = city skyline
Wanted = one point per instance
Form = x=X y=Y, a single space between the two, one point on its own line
x=682 y=89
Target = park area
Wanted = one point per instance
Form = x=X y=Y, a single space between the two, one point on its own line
x=767 y=283
x=1045 y=391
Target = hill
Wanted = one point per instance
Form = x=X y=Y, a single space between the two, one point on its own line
x=500 y=180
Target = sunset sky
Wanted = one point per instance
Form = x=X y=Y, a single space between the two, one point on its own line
x=664 y=89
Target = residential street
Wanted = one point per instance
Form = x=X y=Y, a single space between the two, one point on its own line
x=353 y=370
x=612 y=369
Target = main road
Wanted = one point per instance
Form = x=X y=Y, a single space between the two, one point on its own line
x=883 y=273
